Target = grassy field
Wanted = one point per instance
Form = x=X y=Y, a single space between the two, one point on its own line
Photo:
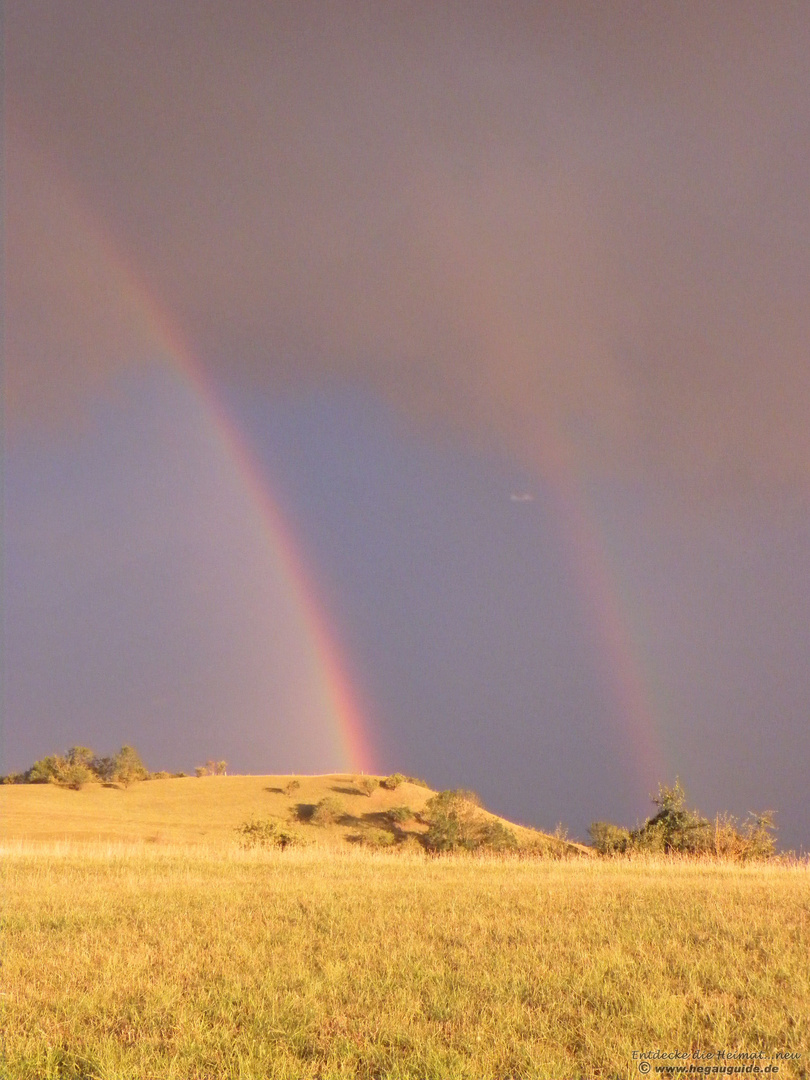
x=187 y=957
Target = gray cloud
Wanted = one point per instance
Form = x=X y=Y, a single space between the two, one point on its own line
x=509 y=220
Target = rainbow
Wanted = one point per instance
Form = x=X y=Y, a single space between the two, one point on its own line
x=599 y=583
x=351 y=746
x=339 y=698
x=487 y=308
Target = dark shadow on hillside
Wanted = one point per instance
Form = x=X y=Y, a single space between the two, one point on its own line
x=346 y=790
x=379 y=819
x=303 y=812
x=275 y=790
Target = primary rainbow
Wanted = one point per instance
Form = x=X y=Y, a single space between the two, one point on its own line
x=345 y=716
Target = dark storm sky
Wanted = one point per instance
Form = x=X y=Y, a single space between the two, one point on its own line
x=431 y=255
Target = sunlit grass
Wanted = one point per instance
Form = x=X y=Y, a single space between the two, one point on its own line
x=181 y=961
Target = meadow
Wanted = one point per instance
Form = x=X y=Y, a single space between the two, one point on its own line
x=183 y=956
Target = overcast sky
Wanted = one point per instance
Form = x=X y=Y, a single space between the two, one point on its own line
x=429 y=256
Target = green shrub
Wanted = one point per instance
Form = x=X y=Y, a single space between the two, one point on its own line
x=368 y=785
x=268 y=833
x=73 y=771
x=76 y=776
x=609 y=839
x=81 y=755
x=454 y=822
x=398 y=815
x=377 y=839
x=291 y=787
x=750 y=841
x=81 y=765
x=391 y=783
x=417 y=781
x=496 y=837
x=46 y=770
x=328 y=811
x=674 y=830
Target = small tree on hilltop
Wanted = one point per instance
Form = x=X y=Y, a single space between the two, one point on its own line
x=47 y=770
x=392 y=782
x=368 y=785
x=81 y=755
x=128 y=766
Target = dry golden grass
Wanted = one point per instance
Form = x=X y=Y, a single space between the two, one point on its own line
x=207 y=810
x=166 y=960
x=186 y=810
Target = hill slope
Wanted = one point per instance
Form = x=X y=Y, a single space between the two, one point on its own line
x=208 y=810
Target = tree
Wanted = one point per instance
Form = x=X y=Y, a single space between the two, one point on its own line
x=674 y=829
x=81 y=755
x=47 y=770
x=456 y=823
x=128 y=766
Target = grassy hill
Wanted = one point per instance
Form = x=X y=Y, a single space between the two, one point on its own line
x=208 y=810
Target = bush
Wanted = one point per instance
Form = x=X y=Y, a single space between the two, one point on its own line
x=268 y=833
x=456 y=823
x=73 y=771
x=496 y=837
x=398 y=815
x=328 y=811
x=47 y=770
x=391 y=783
x=212 y=768
x=674 y=830
x=609 y=839
x=76 y=776
x=368 y=785
x=80 y=766
x=377 y=839
x=291 y=787
x=750 y=841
